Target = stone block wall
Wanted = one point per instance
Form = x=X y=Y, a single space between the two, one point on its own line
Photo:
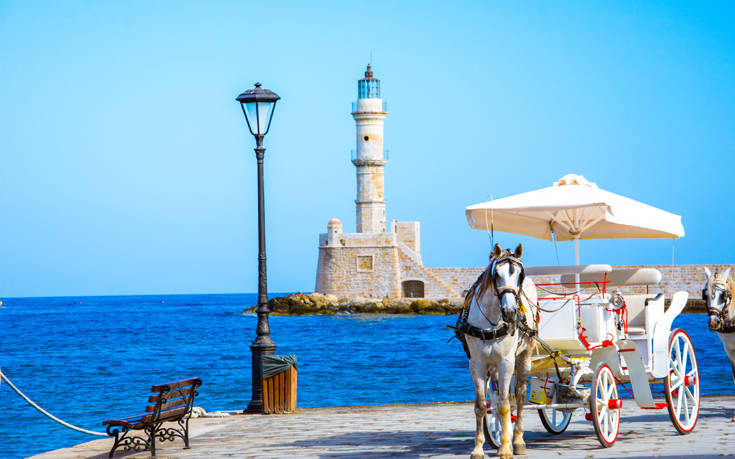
x=411 y=269
x=689 y=278
x=363 y=264
x=408 y=234
x=375 y=265
x=460 y=279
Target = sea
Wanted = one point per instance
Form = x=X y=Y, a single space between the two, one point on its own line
x=89 y=359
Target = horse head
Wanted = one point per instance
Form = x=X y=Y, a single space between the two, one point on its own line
x=507 y=276
x=718 y=295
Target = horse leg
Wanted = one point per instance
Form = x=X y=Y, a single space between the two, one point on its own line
x=505 y=373
x=523 y=368
x=479 y=377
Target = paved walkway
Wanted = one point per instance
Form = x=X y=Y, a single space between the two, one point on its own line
x=441 y=430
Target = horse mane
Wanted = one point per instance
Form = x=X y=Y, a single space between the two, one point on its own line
x=485 y=280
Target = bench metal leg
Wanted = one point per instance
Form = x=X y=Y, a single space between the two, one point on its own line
x=152 y=439
x=118 y=440
x=185 y=427
x=147 y=441
x=121 y=439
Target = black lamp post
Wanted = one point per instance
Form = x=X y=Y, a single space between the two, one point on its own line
x=258 y=105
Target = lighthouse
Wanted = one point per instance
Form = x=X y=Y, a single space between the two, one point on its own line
x=369 y=157
x=375 y=261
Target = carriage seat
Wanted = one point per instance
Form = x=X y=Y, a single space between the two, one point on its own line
x=644 y=310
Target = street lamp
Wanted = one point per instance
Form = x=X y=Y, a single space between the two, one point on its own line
x=258 y=105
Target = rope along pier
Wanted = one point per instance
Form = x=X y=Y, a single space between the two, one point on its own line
x=51 y=416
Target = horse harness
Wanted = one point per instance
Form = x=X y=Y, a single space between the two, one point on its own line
x=717 y=283
x=487 y=334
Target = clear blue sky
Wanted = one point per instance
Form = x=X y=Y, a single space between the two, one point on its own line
x=126 y=166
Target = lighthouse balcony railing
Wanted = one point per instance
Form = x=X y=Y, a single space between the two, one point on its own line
x=384 y=107
x=386 y=155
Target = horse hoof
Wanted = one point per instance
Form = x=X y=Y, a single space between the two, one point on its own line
x=519 y=448
x=507 y=455
x=477 y=456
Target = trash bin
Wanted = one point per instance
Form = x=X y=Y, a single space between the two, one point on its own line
x=279 y=384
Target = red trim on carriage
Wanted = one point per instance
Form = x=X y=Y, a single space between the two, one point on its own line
x=659 y=406
x=614 y=403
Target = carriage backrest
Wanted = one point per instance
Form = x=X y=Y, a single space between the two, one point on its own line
x=619 y=277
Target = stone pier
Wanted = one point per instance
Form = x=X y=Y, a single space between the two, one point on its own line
x=436 y=430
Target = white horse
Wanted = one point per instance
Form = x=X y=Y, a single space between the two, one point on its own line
x=718 y=292
x=496 y=326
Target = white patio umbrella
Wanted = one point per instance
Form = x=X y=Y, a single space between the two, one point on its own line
x=574 y=209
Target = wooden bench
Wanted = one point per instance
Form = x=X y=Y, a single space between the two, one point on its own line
x=170 y=402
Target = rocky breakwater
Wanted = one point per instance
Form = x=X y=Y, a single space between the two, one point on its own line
x=316 y=303
x=299 y=304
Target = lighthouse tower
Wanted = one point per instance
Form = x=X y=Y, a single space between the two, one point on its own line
x=369 y=159
x=374 y=262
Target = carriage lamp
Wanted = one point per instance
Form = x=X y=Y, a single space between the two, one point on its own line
x=258 y=105
x=617 y=300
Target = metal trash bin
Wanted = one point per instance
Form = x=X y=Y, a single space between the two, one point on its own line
x=279 y=384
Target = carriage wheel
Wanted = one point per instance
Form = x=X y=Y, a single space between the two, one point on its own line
x=605 y=406
x=491 y=423
x=682 y=383
x=555 y=421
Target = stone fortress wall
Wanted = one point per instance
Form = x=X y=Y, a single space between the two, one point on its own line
x=456 y=281
x=689 y=278
x=387 y=265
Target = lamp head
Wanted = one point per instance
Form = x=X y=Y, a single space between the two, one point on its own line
x=258 y=105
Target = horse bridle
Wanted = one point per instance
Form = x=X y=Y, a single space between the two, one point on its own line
x=500 y=291
x=716 y=283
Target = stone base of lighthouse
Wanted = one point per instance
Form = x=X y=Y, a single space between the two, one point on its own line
x=381 y=265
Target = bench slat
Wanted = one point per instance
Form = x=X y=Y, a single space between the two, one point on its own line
x=169 y=415
x=113 y=422
x=166 y=406
x=176 y=385
x=171 y=395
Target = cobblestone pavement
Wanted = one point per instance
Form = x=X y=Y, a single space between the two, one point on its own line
x=441 y=430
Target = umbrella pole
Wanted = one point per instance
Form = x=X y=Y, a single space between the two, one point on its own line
x=576 y=259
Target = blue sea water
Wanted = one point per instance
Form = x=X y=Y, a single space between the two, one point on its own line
x=88 y=359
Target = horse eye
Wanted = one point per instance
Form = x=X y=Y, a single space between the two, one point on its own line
x=704 y=294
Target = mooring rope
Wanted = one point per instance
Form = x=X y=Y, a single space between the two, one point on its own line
x=34 y=405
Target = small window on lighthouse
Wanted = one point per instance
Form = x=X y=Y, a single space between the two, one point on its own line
x=366 y=138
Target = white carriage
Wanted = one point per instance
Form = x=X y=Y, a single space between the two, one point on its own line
x=600 y=328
